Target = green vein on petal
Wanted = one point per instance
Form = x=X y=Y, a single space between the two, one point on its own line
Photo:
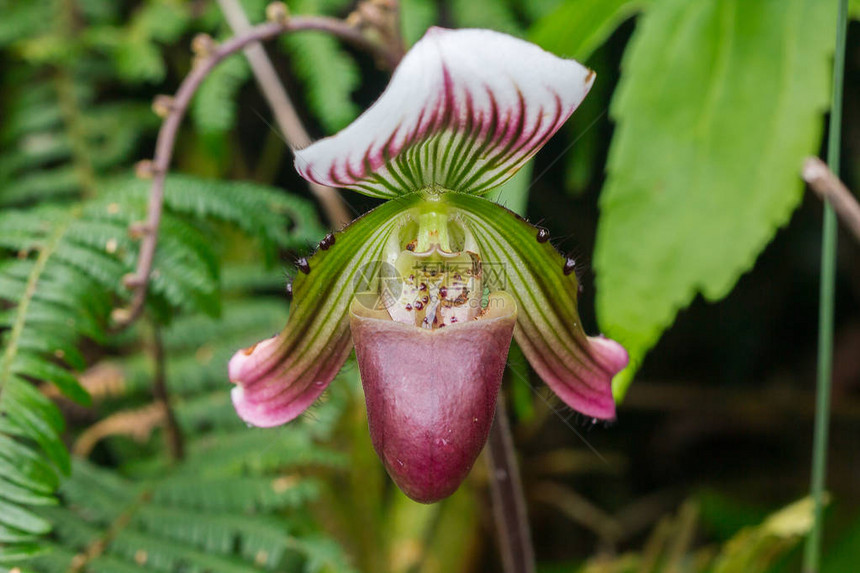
x=577 y=367
x=279 y=378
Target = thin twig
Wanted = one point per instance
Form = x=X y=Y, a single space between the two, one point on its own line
x=176 y=108
x=285 y=114
x=509 y=505
x=832 y=190
x=172 y=434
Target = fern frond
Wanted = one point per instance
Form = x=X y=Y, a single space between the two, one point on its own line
x=328 y=88
x=329 y=75
x=63 y=288
x=61 y=269
x=26 y=414
x=275 y=218
x=250 y=494
x=323 y=554
x=188 y=519
x=214 y=108
x=60 y=182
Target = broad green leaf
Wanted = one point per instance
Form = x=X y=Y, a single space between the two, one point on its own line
x=719 y=103
x=578 y=27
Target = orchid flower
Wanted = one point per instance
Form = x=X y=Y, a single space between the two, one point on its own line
x=431 y=286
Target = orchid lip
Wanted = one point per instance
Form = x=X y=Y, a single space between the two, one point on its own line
x=431 y=394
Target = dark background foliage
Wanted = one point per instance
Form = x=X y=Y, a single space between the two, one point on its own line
x=712 y=437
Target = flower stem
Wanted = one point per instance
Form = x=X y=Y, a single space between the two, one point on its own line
x=812 y=553
x=509 y=505
x=172 y=434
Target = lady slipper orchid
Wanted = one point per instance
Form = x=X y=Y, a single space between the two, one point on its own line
x=431 y=286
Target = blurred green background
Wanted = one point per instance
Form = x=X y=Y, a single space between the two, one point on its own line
x=676 y=186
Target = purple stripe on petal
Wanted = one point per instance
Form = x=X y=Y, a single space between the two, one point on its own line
x=496 y=98
x=272 y=388
x=585 y=386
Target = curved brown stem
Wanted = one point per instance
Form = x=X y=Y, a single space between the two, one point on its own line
x=176 y=108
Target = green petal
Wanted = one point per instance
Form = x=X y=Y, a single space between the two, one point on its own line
x=278 y=378
x=518 y=258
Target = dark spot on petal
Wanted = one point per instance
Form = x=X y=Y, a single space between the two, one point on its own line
x=418 y=305
x=302 y=265
x=542 y=235
x=443 y=292
x=411 y=245
x=569 y=266
x=408 y=307
x=422 y=286
x=327 y=242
